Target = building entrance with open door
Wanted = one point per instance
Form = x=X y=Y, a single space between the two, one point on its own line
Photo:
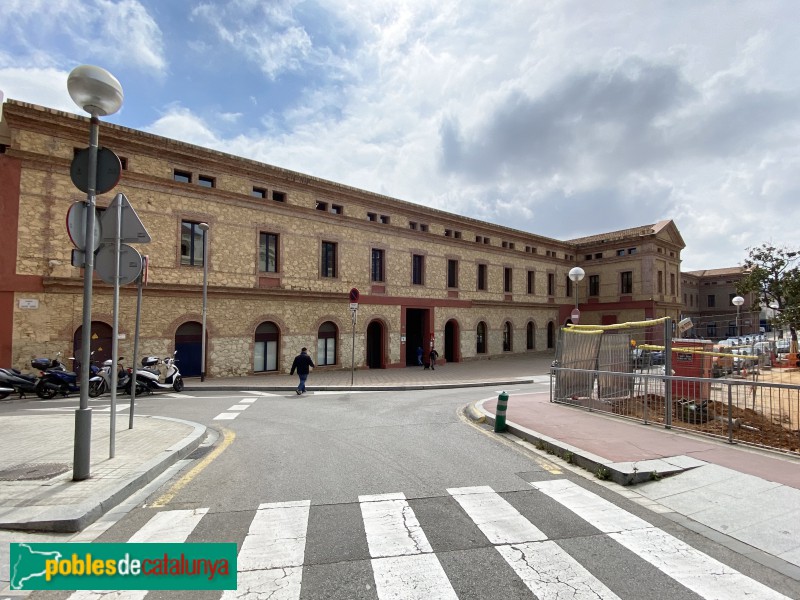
x=418 y=333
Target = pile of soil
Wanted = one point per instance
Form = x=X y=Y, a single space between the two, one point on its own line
x=711 y=417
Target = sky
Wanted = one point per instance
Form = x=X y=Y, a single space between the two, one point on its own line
x=559 y=118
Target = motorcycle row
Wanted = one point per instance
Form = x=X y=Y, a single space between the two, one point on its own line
x=55 y=379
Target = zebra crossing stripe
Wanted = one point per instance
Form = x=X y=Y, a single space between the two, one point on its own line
x=691 y=568
x=500 y=522
x=226 y=416
x=270 y=562
x=547 y=570
x=391 y=526
x=403 y=562
x=167 y=527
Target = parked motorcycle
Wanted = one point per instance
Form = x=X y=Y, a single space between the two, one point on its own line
x=101 y=382
x=55 y=378
x=148 y=378
x=14 y=381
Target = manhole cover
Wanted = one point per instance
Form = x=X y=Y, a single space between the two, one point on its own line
x=33 y=471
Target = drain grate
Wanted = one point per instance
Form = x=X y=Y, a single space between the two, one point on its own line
x=33 y=471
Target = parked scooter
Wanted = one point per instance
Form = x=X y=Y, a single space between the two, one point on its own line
x=101 y=382
x=14 y=381
x=55 y=379
x=148 y=378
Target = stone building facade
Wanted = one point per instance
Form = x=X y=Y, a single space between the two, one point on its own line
x=707 y=296
x=284 y=249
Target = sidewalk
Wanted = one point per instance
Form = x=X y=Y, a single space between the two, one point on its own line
x=746 y=498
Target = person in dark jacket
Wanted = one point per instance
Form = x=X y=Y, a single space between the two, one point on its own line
x=302 y=364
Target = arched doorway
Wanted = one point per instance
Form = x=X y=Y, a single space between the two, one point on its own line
x=189 y=346
x=375 y=345
x=100 y=344
x=326 y=344
x=265 y=347
x=451 y=341
x=551 y=335
x=480 y=338
x=531 y=336
x=508 y=337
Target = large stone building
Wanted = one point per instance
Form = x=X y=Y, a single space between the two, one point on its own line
x=284 y=249
x=707 y=300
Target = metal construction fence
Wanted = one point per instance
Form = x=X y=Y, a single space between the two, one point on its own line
x=605 y=369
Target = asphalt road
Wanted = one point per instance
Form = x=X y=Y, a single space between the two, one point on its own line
x=336 y=455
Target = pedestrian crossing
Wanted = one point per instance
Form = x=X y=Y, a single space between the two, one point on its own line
x=408 y=561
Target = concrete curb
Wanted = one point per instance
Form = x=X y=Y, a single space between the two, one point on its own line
x=237 y=387
x=74 y=518
x=623 y=473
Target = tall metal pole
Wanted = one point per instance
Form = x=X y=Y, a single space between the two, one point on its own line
x=83 y=414
x=353 y=350
x=136 y=346
x=115 y=333
x=204 y=227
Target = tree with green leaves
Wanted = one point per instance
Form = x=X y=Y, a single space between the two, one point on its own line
x=772 y=274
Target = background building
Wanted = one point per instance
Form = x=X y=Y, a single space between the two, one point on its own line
x=707 y=301
x=284 y=249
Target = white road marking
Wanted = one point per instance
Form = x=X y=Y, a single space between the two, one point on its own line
x=167 y=527
x=695 y=570
x=500 y=522
x=403 y=562
x=258 y=393
x=549 y=572
x=239 y=407
x=226 y=416
x=270 y=563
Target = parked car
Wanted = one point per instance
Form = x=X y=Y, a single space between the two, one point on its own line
x=641 y=358
x=782 y=346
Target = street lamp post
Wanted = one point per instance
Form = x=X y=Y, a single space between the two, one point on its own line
x=737 y=301
x=99 y=93
x=575 y=275
x=204 y=227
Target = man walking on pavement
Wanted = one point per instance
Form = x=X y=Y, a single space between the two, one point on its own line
x=302 y=364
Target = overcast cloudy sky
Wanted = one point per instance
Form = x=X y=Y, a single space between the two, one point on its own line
x=562 y=118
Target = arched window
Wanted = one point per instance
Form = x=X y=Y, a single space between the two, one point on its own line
x=508 y=337
x=326 y=344
x=480 y=346
x=531 y=336
x=265 y=349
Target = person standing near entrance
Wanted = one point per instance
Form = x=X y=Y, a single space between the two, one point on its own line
x=302 y=364
x=434 y=355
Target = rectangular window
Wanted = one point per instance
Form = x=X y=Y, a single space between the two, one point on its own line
x=418 y=269
x=621 y=252
x=412 y=225
x=337 y=209
x=385 y=219
x=182 y=176
x=376 y=272
x=672 y=283
x=712 y=301
x=192 y=240
x=457 y=235
x=598 y=255
x=661 y=282
x=372 y=217
x=551 y=284
x=531 y=282
x=568 y=286
x=323 y=206
x=206 y=181
x=452 y=273
x=448 y=233
x=508 y=284
x=594 y=285
x=124 y=162
x=268 y=253
x=423 y=227
x=259 y=192
x=482 y=277
x=328 y=259
x=279 y=196
x=626 y=282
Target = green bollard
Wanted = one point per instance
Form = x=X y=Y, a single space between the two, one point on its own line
x=500 y=417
